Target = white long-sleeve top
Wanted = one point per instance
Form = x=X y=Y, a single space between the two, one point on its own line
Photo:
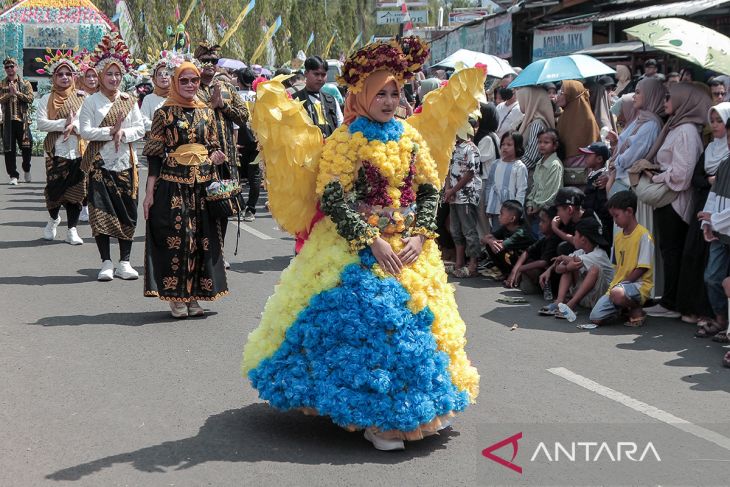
x=150 y=103
x=93 y=111
x=68 y=149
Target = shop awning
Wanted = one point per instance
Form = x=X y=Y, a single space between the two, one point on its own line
x=615 y=48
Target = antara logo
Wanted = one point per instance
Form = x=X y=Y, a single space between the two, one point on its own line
x=588 y=451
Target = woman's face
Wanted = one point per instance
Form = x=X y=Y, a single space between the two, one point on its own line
x=63 y=77
x=718 y=126
x=91 y=79
x=668 y=107
x=382 y=108
x=112 y=78
x=188 y=84
x=561 y=100
x=162 y=78
x=638 y=99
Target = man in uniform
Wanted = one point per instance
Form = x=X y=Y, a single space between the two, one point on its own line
x=16 y=99
x=322 y=108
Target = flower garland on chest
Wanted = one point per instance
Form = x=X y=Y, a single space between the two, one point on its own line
x=390 y=148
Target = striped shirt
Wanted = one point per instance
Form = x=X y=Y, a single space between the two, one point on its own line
x=532 y=154
x=506 y=181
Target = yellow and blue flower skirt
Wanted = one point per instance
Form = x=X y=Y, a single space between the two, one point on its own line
x=342 y=339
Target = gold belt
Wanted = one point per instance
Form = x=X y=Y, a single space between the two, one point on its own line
x=190 y=154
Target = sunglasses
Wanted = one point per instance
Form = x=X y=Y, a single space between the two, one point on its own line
x=718 y=93
x=10 y=66
x=189 y=81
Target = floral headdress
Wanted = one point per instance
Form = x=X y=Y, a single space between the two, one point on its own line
x=52 y=61
x=112 y=48
x=401 y=59
x=172 y=59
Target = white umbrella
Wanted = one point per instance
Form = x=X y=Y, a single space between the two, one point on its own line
x=496 y=66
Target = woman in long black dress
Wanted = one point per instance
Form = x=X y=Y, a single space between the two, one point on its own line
x=183 y=245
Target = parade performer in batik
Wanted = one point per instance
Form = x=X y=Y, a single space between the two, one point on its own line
x=111 y=122
x=183 y=246
x=161 y=74
x=57 y=113
x=16 y=100
x=363 y=326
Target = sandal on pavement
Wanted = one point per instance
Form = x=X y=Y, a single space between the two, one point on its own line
x=721 y=337
x=636 y=321
x=726 y=360
x=464 y=273
x=548 y=310
x=709 y=329
x=449 y=268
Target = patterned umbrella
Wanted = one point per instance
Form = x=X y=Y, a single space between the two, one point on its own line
x=686 y=40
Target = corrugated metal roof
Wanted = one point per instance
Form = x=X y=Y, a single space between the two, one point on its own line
x=677 y=9
x=619 y=47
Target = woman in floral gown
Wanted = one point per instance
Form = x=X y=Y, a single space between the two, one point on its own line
x=363 y=326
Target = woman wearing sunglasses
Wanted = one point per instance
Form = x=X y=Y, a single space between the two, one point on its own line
x=58 y=115
x=183 y=246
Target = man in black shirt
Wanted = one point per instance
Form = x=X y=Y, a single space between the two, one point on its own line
x=322 y=108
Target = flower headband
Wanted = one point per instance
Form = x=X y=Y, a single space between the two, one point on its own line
x=171 y=60
x=51 y=62
x=112 y=48
x=401 y=59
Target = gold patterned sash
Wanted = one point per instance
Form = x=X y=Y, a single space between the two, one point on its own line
x=189 y=154
x=119 y=111
x=72 y=104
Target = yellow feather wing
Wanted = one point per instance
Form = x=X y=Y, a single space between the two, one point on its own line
x=445 y=111
x=291 y=146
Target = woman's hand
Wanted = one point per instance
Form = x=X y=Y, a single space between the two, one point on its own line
x=117 y=138
x=707 y=233
x=149 y=200
x=217 y=158
x=711 y=180
x=704 y=216
x=67 y=132
x=412 y=249
x=388 y=260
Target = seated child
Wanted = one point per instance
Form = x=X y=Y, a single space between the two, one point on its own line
x=547 y=179
x=633 y=280
x=597 y=154
x=536 y=259
x=584 y=275
x=505 y=245
x=569 y=206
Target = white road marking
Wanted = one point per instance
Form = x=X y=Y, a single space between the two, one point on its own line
x=253 y=231
x=643 y=408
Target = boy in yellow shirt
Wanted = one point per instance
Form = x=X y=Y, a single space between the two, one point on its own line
x=633 y=249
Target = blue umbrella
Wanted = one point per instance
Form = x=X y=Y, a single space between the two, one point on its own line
x=575 y=66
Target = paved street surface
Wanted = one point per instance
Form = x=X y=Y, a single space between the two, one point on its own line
x=101 y=387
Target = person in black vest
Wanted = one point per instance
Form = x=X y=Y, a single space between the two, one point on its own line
x=322 y=108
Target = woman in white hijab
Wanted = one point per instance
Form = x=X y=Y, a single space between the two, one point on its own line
x=692 y=299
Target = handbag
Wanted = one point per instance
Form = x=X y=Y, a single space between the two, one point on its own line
x=656 y=195
x=224 y=198
x=574 y=176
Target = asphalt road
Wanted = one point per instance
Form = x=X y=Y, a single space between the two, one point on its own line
x=99 y=386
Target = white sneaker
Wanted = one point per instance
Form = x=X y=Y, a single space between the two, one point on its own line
x=381 y=443
x=178 y=309
x=126 y=271
x=27 y=177
x=84 y=216
x=248 y=216
x=107 y=271
x=226 y=264
x=194 y=309
x=49 y=233
x=13 y=181
x=72 y=237
x=659 y=311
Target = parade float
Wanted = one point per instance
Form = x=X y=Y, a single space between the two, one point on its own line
x=28 y=27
